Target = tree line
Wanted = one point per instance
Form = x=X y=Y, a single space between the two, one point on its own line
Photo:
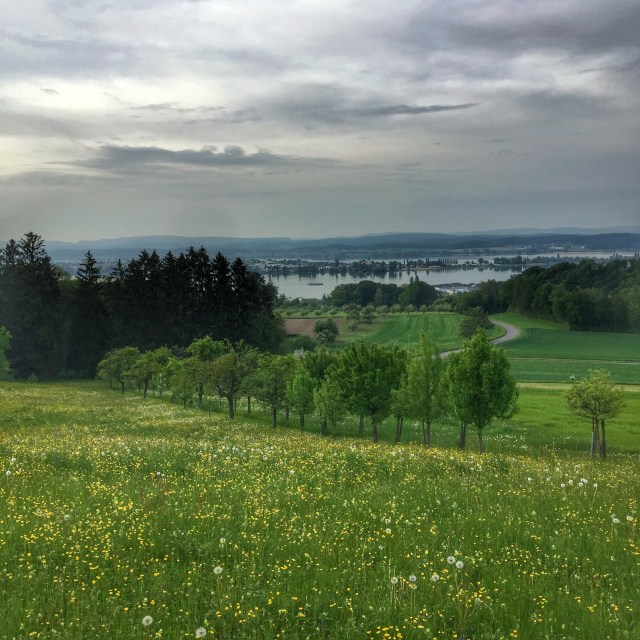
x=63 y=326
x=367 y=380
x=587 y=296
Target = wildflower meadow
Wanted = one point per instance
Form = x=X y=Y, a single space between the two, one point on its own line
x=122 y=517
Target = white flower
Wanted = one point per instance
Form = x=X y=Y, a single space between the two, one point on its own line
x=412 y=578
x=387 y=531
x=529 y=479
x=459 y=564
x=394 y=580
x=563 y=485
x=581 y=484
x=595 y=485
x=387 y=520
x=629 y=518
x=615 y=521
x=223 y=541
x=8 y=472
x=201 y=632
x=451 y=559
x=435 y=577
x=13 y=460
x=217 y=570
x=147 y=620
x=583 y=480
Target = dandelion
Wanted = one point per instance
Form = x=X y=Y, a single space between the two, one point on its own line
x=8 y=472
x=451 y=559
x=412 y=578
x=387 y=520
x=201 y=632
x=387 y=531
x=394 y=580
x=223 y=541
x=218 y=570
x=563 y=485
x=615 y=520
x=629 y=518
x=529 y=479
x=13 y=460
x=435 y=577
x=581 y=484
x=459 y=564
x=147 y=621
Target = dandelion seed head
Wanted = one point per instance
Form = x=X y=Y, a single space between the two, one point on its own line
x=387 y=531
x=451 y=559
x=147 y=621
x=201 y=632
x=217 y=570
x=435 y=577
x=394 y=580
x=459 y=564
x=412 y=578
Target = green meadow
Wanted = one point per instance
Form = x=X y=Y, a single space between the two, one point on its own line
x=116 y=510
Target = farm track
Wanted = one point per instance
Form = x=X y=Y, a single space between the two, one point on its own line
x=511 y=332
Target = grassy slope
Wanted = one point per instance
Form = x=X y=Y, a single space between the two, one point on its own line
x=547 y=351
x=117 y=508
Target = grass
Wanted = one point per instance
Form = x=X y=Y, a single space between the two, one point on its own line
x=404 y=329
x=548 y=351
x=116 y=508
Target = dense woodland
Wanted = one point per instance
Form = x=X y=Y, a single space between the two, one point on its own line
x=587 y=296
x=63 y=326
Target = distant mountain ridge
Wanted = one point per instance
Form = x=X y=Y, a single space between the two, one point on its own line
x=524 y=240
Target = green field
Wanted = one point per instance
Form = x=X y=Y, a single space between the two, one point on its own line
x=547 y=351
x=113 y=508
x=404 y=330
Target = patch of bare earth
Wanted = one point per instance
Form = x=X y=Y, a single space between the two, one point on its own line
x=304 y=326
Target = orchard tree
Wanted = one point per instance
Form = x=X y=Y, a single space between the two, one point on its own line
x=203 y=352
x=115 y=365
x=367 y=374
x=147 y=366
x=597 y=399
x=300 y=392
x=180 y=381
x=228 y=372
x=329 y=405
x=480 y=385
x=271 y=380
x=423 y=395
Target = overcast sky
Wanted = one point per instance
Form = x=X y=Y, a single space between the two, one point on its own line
x=317 y=118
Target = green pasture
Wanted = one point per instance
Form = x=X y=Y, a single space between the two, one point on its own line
x=404 y=330
x=115 y=510
x=548 y=351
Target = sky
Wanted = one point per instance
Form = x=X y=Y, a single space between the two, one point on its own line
x=320 y=118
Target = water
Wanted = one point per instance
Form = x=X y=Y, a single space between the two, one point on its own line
x=294 y=286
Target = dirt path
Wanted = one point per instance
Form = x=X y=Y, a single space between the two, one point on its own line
x=511 y=332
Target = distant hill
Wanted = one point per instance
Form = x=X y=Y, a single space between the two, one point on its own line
x=527 y=241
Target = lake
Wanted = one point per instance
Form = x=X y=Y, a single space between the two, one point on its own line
x=294 y=286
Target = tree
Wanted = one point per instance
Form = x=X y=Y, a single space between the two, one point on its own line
x=300 y=392
x=147 y=366
x=329 y=405
x=597 y=399
x=229 y=370
x=5 y=342
x=475 y=319
x=271 y=380
x=326 y=331
x=180 y=381
x=30 y=308
x=115 y=365
x=367 y=375
x=423 y=395
x=480 y=385
x=89 y=334
x=203 y=352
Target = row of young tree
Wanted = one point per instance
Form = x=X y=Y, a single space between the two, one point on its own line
x=588 y=296
x=63 y=326
x=369 y=381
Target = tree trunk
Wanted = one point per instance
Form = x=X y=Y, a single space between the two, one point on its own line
x=209 y=407
x=273 y=417
x=595 y=436
x=323 y=427
x=302 y=422
x=603 y=441
x=286 y=414
x=122 y=383
x=462 y=442
x=232 y=405
x=399 y=423
x=374 y=429
x=428 y=442
x=146 y=387
x=480 y=443
x=248 y=405
x=360 y=426
x=200 y=394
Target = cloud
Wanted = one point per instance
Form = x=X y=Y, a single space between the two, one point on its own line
x=121 y=158
x=407 y=110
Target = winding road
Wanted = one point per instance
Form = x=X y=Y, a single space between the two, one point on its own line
x=510 y=333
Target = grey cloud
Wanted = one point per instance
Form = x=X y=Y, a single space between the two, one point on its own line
x=51 y=92
x=408 y=110
x=123 y=157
